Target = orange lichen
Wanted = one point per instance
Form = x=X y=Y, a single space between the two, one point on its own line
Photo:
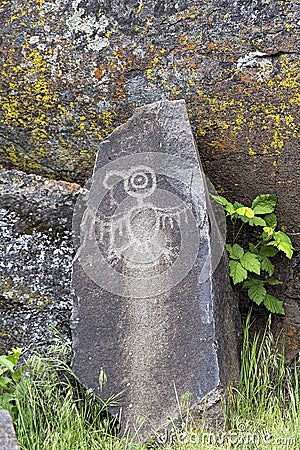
x=98 y=74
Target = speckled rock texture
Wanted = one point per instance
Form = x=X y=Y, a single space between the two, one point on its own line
x=72 y=70
x=36 y=251
x=8 y=439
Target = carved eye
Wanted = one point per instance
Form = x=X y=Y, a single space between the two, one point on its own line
x=140 y=180
x=141 y=183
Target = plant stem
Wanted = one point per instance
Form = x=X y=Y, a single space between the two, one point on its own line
x=239 y=230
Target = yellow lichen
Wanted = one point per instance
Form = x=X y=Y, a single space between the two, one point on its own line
x=251 y=151
x=226 y=118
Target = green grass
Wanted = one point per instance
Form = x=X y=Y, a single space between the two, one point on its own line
x=54 y=413
x=266 y=403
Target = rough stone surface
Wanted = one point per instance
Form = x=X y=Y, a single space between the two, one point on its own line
x=155 y=311
x=73 y=70
x=8 y=439
x=36 y=252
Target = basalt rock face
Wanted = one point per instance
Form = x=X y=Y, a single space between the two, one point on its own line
x=73 y=70
x=36 y=251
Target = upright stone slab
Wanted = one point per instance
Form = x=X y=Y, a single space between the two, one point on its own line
x=155 y=319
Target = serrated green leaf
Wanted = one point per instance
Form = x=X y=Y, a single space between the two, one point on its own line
x=253 y=221
x=245 y=211
x=266 y=250
x=264 y=204
x=257 y=293
x=218 y=198
x=286 y=248
x=250 y=262
x=257 y=221
x=280 y=236
x=265 y=237
x=229 y=210
x=271 y=220
x=244 y=219
x=228 y=207
x=283 y=243
x=235 y=251
x=237 y=272
x=267 y=266
x=237 y=205
x=273 y=304
x=228 y=248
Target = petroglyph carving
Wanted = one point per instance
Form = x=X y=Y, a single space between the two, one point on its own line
x=137 y=235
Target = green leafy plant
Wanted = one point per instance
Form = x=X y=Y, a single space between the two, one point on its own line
x=10 y=376
x=253 y=268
